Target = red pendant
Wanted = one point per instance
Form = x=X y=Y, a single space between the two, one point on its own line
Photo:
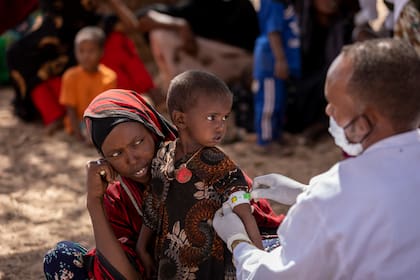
x=183 y=174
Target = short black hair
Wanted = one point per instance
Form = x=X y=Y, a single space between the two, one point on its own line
x=186 y=88
x=90 y=33
x=386 y=75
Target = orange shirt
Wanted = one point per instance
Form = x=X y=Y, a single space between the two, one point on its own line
x=80 y=87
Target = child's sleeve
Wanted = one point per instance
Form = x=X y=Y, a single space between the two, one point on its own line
x=67 y=92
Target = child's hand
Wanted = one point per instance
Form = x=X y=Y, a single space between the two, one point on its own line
x=281 y=69
x=148 y=264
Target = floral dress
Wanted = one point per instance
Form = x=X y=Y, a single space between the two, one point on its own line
x=180 y=214
x=407 y=26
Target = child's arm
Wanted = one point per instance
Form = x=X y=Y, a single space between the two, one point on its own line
x=74 y=122
x=281 y=69
x=243 y=210
x=145 y=237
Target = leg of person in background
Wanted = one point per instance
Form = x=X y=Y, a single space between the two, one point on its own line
x=45 y=97
x=269 y=113
x=225 y=61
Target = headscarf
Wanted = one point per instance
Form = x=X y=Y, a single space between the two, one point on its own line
x=115 y=106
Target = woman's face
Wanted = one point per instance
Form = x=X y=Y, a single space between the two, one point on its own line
x=130 y=148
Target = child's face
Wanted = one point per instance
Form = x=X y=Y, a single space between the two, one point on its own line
x=88 y=55
x=206 y=121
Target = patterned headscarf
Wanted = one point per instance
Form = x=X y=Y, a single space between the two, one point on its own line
x=115 y=106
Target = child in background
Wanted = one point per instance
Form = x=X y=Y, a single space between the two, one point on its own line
x=276 y=58
x=191 y=179
x=82 y=83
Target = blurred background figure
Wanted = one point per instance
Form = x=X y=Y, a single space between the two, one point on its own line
x=49 y=48
x=82 y=83
x=406 y=19
x=326 y=26
x=276 y=59
x=213 y=35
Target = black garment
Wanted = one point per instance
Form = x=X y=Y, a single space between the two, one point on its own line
x=233 y=22
x=243 y=105
x=320 y=44
x=48 y=51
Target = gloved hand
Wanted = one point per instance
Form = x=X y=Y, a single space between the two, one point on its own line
x=229 y=226
x=277 y=187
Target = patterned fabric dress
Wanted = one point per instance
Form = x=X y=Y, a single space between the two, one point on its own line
x=180 y=214
x=407 y=26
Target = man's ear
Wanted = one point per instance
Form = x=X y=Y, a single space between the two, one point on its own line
x=178 y=119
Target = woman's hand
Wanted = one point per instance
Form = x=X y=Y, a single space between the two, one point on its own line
x=99 y=175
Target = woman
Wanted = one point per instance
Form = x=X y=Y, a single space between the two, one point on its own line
x=126 y=131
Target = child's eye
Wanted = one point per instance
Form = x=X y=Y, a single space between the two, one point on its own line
x=211 y=118
x=225 y=118
x=138 y=142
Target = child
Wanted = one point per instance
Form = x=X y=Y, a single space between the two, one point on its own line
x=191 y=179
x=82 y=83
x=276 y=58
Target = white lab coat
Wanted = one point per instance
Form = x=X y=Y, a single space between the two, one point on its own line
x=359 y=220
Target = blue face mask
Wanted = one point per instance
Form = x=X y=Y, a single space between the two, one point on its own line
x=340 y=139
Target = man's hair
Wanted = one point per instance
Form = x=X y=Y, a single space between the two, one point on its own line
x=386 y=75
x=186 y=88
x=90 y=33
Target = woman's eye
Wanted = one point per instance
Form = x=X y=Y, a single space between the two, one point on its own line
x=115 y=154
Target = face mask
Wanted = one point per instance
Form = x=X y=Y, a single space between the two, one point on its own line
x=340 y=139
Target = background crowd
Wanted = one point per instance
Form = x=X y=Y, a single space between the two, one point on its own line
x=229 y=38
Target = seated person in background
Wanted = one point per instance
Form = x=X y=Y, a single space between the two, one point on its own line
x=82 y=83
x=49 y=47
x=326 y=26
x=191 y=179
x=406 y=19
x=213 y=35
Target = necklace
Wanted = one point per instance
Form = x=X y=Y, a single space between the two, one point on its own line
x=183 y=174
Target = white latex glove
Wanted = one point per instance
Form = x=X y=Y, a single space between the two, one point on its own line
x=277 y=187
x=229 y=226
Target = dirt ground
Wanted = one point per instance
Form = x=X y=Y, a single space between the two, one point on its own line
x=42 y=193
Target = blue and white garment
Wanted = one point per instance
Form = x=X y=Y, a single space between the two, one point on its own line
x=270 y=92
x=274 y=16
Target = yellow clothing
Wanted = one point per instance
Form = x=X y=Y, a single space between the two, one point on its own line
x=80 y=87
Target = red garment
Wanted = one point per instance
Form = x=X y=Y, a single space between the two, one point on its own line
x=126 y=224
x=45 y=97
x=264 y=215
x=120 y=55
x=122 y=214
